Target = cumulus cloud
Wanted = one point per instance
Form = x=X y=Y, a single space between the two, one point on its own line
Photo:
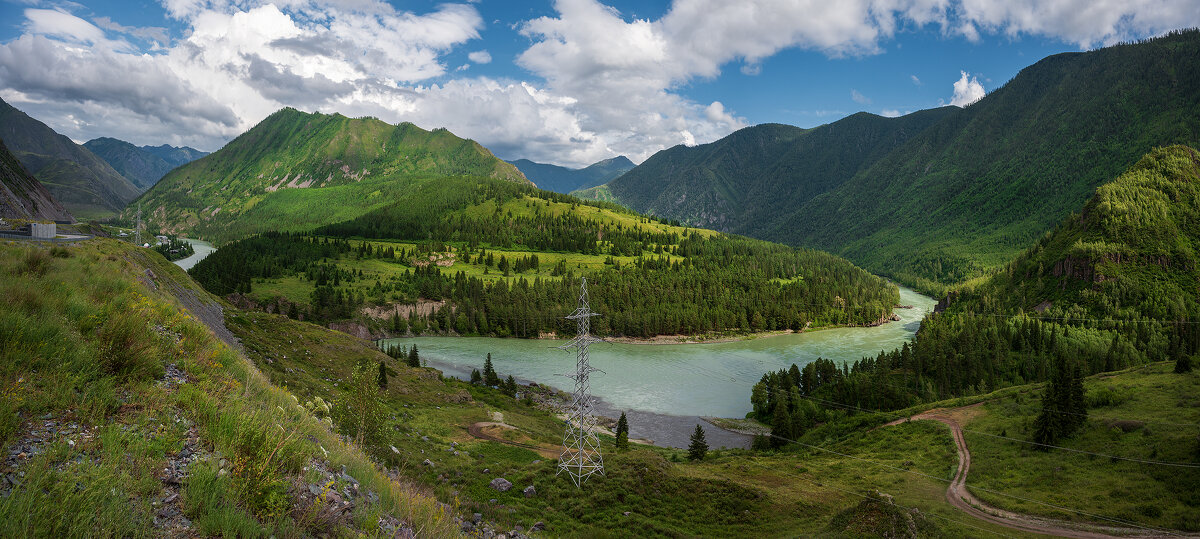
x=966 y=91
x=889 y=113
x=480 y=57
x=602 y=83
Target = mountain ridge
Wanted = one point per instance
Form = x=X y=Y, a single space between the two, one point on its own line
x=565 y=180
x=77 y=178
x=23 y=196
x=141 y=165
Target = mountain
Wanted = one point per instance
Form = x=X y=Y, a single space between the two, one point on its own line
x=956 y=193
x=145 y=165
x=564 y=180
x=22 y=196
x=82 y=182
x=295 y=171
x=175 y=155
x=751 y=177
x=1133 y=251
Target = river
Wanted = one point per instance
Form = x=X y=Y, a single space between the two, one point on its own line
x=202 y=248
x=665 y=388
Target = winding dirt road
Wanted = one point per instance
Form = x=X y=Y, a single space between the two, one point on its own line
x=958 y=495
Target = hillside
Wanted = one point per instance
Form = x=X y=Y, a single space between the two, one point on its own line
x=22 y=196
x=564 y=180
x=82 y=182
x=483 y=257
x=751 y=178
x=295 y=171
x=143 y=166
x=1110 y=288
x=956 y=192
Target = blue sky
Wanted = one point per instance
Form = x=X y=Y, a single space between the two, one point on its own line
x=568 y=82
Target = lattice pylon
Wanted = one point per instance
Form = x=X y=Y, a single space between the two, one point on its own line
x=581 y=456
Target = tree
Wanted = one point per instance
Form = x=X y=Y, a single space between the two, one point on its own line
x=510 y=386
x=361 y=415
x=489 y=373
x=622 y=433
x=1063 y=407
x=382 y=376
x=1183 y=364
x=414 y=359
x=699 y=447
x=476 y=378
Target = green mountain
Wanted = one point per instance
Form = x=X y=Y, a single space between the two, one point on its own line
x=748 y=179
x=22 y=196
x=946 y=195
x=295 y=171
x=82 y=182
x=504 y=259
x=145 y=165
x=564 y=180
x=175 y=155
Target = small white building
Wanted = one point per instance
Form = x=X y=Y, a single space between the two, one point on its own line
x=43 y=231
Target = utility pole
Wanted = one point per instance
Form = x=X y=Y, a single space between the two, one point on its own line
x=580 y=456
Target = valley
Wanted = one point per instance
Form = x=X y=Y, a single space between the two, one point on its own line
x=977 y=318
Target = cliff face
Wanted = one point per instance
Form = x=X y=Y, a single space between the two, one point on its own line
x=22 y=196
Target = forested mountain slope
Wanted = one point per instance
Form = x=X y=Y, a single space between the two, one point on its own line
x=295 y=171
x=484 y=257
x=22 y=196
x=745 y=182
x=145 y=165
x=987 y=181
x=564 y=180
x=82 y=182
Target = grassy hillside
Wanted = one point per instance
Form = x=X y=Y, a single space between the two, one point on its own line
x=22 y=196
x=495 y=258
x=295 y=171
x=564 y=180
x=123 y=414
x=143 y=166
x=82 y=182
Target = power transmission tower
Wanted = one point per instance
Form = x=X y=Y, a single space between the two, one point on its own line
x=581 y=447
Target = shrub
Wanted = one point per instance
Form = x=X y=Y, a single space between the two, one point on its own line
x=124 y=348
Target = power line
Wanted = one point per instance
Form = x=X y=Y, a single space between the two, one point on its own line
x=1142 y=461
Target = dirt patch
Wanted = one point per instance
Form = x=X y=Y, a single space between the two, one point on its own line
x=422 y=307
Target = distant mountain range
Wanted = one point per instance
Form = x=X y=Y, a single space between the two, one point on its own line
x=941 y=196
x=144 y=165
x=82 y=182
x=564 y=180
x=22 y=196
x=296 y=171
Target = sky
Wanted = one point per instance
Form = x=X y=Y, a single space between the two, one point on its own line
x=568 y=82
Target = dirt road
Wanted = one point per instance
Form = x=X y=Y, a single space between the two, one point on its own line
x=958 y=495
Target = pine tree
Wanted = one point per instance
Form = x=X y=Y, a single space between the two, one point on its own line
x=510 y=386
x=489 y=373
x=414 y=359
x=622 y=433
x=382 y=376
x=476 y=378
x=1183 y=364
x=699 y=447
x=781 y=425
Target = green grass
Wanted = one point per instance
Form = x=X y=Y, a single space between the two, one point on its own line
x=85 y=336
x=1161 y=403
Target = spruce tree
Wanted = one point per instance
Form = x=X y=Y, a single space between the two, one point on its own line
x=489 y=373
x=510 y=386
x=414 y=359
x=781 y=425
x=622 y=433
x=476 y=378
x=699 y=447
x=382 y=376
x=1183 y=364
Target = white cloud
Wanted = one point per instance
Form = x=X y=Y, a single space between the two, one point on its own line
x=606 y=83
x=889 y=113
x=859 y=98
x=480 y=57
x=966 y=91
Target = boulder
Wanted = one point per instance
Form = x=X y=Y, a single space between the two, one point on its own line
x=530 y=491
x=501 y=484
